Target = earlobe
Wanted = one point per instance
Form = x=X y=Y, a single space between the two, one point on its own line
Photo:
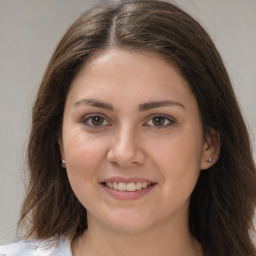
x=211 y=150
x=63 y=162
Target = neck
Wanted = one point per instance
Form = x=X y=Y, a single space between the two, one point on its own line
x=172 y=239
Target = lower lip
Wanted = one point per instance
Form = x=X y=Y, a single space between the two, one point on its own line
x=128 y=195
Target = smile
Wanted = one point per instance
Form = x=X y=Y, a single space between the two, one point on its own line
x=131 y=186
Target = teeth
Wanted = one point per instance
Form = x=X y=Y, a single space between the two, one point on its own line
x=132 y=186
x=139 y=186
x=115 y=185
x=109 y=184
x=121 y=186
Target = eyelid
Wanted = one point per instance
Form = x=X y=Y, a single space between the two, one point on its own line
x=88 y=116
x=167 y=117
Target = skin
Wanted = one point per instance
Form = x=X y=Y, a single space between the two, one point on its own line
x=128 y=141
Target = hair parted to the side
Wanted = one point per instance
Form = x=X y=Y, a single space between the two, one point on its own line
x=223 y=201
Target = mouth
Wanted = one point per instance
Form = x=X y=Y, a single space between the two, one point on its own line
x=127 y=187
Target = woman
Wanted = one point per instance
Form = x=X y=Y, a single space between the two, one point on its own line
x=137 y=142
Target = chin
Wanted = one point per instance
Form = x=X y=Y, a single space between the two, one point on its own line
x=129 y=223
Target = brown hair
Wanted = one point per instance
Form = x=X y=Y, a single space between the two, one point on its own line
x=222 y=203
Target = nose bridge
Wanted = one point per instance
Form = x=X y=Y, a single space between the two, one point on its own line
x=125 y=138
x=125 y=150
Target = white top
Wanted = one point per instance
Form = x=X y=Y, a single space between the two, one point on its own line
x=33 y=247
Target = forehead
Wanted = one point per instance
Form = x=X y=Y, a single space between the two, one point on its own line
x=141 y=76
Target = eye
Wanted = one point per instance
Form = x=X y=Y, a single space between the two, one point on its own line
x=160 y=121
x=95 y=121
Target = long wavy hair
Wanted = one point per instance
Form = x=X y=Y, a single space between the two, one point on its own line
x=223 y=201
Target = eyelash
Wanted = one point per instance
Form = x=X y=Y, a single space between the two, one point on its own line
x=170 y=121
x=89 y=118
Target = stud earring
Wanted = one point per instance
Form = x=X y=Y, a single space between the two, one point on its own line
x=63 y=163
x=209 y=160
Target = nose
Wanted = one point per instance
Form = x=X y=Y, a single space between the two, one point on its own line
x=125 y=150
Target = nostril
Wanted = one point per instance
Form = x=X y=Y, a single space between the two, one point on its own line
x=120 y=156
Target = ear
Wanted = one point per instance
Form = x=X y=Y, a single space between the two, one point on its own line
x=211 y=149
x=60 y=142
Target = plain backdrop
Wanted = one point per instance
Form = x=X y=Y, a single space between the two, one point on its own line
x=29 y=32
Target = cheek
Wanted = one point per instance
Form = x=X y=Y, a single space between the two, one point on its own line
x=179 y=149
x=82 y=164
x=82 y=150
x=178 y=159
x=83 y=156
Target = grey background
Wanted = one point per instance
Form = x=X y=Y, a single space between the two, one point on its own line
x=29 y=32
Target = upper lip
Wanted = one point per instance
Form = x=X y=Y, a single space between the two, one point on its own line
x=127 y=179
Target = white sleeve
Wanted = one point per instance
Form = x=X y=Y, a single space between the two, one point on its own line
x=33 y=247
x=22 y=247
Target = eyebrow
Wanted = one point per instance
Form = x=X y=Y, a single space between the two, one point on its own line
x=158 y=104
x=142 y=107
x=94 y=103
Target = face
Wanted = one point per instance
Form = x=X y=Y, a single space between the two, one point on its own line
x=132 y=140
